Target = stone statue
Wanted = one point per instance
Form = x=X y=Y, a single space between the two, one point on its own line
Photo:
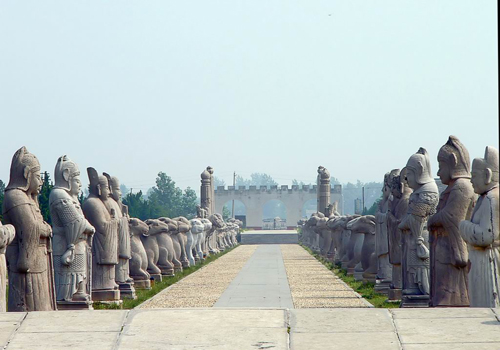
x=203 y=244
x=150 y=243
x=122 y=277
x=482 y=234
x=170 y=249
x=29 y=256
x=422 y=204
x=183 y=227
x=399 y=207
x=384 y=267
x=98 y=211
x=197 y=228
x=449 y=254
x=7 y=234
x=139 y=260
x=201 y=212
x=367 y=269
x=72 y=240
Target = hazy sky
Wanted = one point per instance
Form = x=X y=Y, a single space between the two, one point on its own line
x=137 y=87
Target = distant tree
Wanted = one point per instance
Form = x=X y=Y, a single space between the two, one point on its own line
x=256 y=179
x=226 y=212
x=373 y=209
x=124 y=189
x=43 y=197
x=219 y=182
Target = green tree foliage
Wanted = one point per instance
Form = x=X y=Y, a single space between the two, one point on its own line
x=256 y=179
x=164 y=199
x=226 y=212
x=373 y=208
x=43 y=197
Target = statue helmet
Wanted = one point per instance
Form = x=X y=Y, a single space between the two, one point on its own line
x=420 y=164
x=454 y=153
x=23 y=164
x=96 y=181
x=112 y=181
x=64 y=171
x=490 y=161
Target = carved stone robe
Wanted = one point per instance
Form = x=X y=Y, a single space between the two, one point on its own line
x=448 y=249
x=483 y=238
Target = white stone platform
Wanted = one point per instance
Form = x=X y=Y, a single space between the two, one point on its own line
x=276 y=329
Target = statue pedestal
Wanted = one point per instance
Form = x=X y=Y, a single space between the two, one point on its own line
x=127 y=291
x=382 y=286
x=185 y=264
x=156 y=277
x=106 y=296
x=350 y=271
x=142 y=284
x=177 y=269
x=394 y=294
x=75 y=305
x=167 y=271
x=415 y=301
x=358 y=275
x=369 y=277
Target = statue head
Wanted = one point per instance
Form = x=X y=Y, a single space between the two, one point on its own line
x=485 y=171
x=454 y=161
x=25 y=172
x=67 y=175
x=196 y=226
x=99 y=185
x=388 y=181
x=418 y=169
x=114 y=186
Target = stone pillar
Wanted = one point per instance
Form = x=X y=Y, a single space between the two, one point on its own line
x=323 y=189
x=206 y=198
x=212 y=190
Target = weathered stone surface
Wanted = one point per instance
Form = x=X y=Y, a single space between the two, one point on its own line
x=348 y=340
x=29 y=255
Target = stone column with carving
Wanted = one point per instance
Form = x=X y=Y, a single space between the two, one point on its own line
x=206 y=192
x=323 y=189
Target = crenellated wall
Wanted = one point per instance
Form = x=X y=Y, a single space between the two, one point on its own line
x=254 y=198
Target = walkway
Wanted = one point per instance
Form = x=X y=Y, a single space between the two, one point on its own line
x=252 y=329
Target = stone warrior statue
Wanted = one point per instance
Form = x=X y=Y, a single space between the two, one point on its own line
x=7 y=234
x=122 y=276
x=422 y=204
x=384 y=267
x=448 y=250
x=72 y=239
x=399 y=207
x=482 y=233
x=105 y=244
x=29 y=256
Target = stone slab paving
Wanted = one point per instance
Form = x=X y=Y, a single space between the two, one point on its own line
x=270 y=237
x=242 y=329
x=203 y=287
x=314 y=286
x=262 y=282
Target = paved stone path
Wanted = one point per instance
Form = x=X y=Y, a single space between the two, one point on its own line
x=313 y=285
x=203 y=287
x=262 y=282
x=252 y=329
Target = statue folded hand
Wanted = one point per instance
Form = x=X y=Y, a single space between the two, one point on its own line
x=68 y=256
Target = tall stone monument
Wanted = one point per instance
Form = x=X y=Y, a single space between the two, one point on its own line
x=422 y=204
x=29 y=256
x=449 y=254
x=7 y=234
x=206 y=194
x=72 y=240
x=212 y=190
x=98 y=211
x=399 y=207
x=323 y=189
x=122 y=276
x=482 y=233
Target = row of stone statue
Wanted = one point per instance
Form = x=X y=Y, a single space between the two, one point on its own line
x=422 y=247
x=93 y=252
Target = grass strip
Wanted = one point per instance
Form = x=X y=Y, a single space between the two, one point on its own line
x=365 y=289
x=143 y=295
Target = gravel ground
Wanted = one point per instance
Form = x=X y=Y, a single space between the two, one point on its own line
x=313 y=285
x=205 y=286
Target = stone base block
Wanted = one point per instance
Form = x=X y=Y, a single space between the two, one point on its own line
x=107 y=296
x=369 y=277
x=75 y=305
x=156 y=277
x=382 y=286
x=177 y=269
x=142 y=284
x=167 y=271
x=127 y=291
x=415 y=301
x=350 y=271
x=358 y=275
x=185 y=264
x=394 y=294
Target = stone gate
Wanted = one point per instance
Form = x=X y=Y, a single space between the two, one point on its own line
x=254 y=198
